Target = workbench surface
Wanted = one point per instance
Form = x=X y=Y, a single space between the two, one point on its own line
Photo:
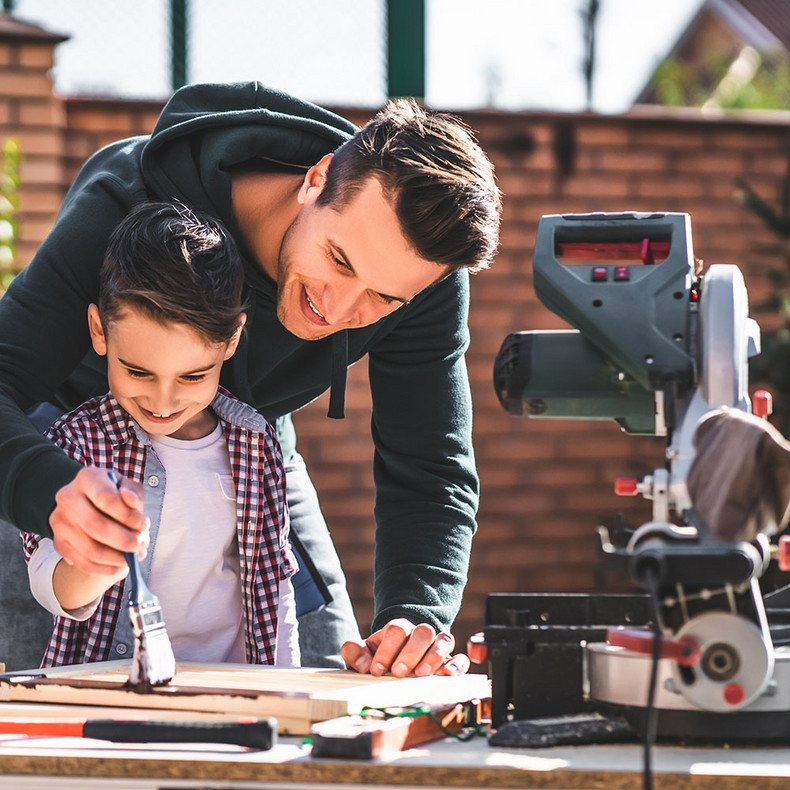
x=28 y=763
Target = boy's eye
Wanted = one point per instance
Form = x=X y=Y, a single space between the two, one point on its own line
x=194 y=377
x=137 y=374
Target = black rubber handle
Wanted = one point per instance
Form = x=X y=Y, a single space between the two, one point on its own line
x=259 y=734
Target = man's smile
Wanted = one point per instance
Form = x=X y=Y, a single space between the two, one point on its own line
x=315 y=314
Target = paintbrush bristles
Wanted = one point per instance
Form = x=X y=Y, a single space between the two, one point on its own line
x=153 y=663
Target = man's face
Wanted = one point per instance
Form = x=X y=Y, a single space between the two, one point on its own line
x=164 y=375
x=348 y=267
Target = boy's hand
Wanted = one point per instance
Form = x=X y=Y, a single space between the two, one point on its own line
x=93 y=522
x=403 y=648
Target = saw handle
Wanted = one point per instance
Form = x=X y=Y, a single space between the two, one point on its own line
x=684 y=650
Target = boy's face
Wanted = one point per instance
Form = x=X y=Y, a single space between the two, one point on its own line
x=346 y=268
x=164 y=375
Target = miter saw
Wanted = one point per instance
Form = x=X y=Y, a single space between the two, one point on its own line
x=662 y=349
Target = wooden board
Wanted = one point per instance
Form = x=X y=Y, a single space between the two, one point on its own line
x=297 y=698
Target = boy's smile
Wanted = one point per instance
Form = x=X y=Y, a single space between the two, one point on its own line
x=165 y=375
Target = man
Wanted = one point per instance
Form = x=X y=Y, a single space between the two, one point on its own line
x=355 y=242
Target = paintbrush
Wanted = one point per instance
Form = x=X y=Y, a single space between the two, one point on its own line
x=252 y=733
x=153 y=663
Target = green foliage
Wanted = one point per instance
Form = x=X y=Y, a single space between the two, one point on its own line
x=9 y=203
x=678 y=83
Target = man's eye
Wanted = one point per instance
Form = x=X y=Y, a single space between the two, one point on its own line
x=386 y=299
x=340 y=263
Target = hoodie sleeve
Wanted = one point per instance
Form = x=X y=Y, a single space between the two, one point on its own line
x=424 y=469
x=44 y=333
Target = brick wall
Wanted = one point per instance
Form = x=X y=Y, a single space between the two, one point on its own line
x=30 y=113
x=545 y=485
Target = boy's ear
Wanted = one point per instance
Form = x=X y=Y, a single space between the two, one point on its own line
x=96 y=329
x=234 y=341
x=314 y=179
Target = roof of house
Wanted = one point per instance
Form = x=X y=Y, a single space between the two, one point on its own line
x=774 y=15
x=763 y=25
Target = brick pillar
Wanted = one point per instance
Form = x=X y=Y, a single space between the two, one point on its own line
x=33 y=115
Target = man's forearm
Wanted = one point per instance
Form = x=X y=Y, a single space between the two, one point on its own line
x=32 y=470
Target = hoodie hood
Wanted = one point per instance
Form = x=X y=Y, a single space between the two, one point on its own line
x=204 y=131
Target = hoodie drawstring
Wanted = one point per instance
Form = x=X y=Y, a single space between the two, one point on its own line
x=337 y=387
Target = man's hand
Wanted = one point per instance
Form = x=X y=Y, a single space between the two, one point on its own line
x=93 y=522
x=403 y=648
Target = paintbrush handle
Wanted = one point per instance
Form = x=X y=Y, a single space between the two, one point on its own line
x=135 y=576
x=136 y=583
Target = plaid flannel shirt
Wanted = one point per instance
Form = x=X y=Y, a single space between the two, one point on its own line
x=100 y=433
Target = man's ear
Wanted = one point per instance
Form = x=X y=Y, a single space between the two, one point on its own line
x=314 y=179
x=98 y=338
x=233 y=344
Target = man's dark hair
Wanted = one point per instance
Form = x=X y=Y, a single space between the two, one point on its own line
x=174 y=264
x=436 y=176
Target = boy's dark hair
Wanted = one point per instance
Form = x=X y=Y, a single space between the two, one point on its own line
x=174 y=264
x=437 y=177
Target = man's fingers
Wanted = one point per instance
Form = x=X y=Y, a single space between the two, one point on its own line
x=93 y=522
x=85 y=554
x=403 y=648
x=457 y=665
x=435 y=656
x=387 y=644
x=124 y=505
x=357 y=656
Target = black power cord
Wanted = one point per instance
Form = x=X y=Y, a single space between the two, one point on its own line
x=650 y=579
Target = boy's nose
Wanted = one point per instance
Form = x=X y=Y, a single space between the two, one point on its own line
x=164 y=400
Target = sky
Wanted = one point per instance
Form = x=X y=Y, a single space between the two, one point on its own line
x=507 y=54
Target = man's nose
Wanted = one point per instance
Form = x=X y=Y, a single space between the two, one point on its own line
x=345 y=305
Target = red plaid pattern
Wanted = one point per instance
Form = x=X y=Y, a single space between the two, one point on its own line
x=100 y=433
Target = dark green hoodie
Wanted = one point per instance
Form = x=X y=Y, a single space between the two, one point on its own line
x=426 y=485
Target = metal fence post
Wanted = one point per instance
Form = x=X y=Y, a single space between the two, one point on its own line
x=406 y=48
x=178 y=43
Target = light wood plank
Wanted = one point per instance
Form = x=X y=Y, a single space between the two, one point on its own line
x=297 y=697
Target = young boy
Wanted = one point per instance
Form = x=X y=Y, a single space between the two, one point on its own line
x=170 y=312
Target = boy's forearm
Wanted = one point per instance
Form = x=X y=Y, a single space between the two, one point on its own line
x=75 y=589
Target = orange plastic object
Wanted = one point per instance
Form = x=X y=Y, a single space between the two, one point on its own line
x=476 y=648
x=625 y=487
x=762 y=403
x=783 y=556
